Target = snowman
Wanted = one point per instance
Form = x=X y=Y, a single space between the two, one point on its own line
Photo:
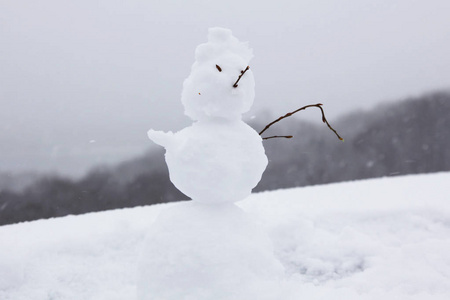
x=219 y=158
x=209 y=248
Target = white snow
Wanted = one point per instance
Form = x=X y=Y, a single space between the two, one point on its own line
x=374 y=239
x=200 y=251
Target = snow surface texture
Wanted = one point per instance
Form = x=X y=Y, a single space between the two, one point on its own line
x=219 y=158
x=375 y=239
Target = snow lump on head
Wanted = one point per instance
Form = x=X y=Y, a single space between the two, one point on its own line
x=208 y=92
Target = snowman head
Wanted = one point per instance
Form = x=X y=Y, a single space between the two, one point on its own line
x=210 y=90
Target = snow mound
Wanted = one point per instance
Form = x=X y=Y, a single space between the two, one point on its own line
x=375 y=239
x=197 y=251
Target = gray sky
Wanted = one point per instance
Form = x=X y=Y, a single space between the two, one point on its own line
x=82 y=81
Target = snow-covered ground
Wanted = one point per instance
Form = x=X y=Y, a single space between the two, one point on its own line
x=375 y=239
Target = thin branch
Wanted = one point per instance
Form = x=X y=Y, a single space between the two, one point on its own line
x=319 y=105
x=287 y=115
x=235 y=85
x=328 y=124
x=278 y=136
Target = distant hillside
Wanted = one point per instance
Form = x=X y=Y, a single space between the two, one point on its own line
x=17 y=182
x=411 y=136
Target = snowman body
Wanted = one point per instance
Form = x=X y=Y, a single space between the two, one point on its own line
x=216 y=160
x=201 y=251
x=209 y=248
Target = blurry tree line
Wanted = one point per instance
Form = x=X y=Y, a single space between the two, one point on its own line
x=408 y=137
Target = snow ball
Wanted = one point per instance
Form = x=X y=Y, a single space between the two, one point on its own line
x=210 y=89
x=216 y=162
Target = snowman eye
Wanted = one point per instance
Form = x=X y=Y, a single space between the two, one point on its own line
x=219 y=68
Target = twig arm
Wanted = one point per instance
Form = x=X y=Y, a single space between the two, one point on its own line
x=278 y=136
x=319 y=105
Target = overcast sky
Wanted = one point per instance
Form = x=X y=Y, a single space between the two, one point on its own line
x=82 y=81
